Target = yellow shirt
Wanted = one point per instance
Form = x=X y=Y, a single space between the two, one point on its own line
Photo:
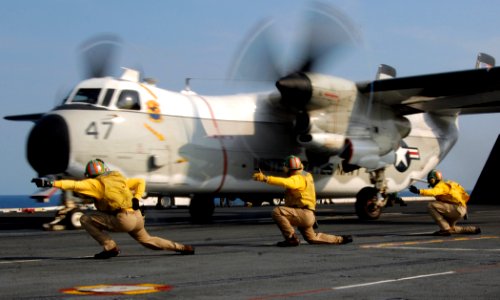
x=94 y=188
x=442 y=192
x=299 y=189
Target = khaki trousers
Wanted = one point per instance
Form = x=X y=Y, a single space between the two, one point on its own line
x=446 y=215
x=96 y=223
x=288 y=217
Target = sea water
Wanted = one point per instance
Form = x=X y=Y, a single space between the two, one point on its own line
x=25 y=201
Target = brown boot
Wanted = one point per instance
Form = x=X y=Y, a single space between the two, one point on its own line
x=188 y=250
x=466 y=230
x=106 y=254
x=346 y=239
x=292 y=241
x=442 y=233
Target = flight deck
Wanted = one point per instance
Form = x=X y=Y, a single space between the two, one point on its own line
x=395 y=257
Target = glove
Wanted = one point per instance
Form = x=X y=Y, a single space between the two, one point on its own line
x=135 y=204
x=42 y=182
x=414 y=189
x=259 y=177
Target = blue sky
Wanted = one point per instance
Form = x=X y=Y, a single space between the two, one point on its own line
x=171 y=40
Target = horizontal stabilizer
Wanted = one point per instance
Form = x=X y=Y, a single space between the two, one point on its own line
x=28 y=117
x=485 y=191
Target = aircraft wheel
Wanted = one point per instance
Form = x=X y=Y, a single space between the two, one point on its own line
x=366 y=207
x=201 y=209
x=164 y=202
x=276 y=201
x=73 y=219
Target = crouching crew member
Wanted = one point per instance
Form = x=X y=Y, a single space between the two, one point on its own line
x=300 y=204
x=116 y=200
x=450 y=205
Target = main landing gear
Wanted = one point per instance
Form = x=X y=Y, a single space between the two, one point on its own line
x=370 y=200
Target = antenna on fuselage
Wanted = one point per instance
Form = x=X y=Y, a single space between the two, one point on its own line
x=187 y=88
x=130 y=75
x=150 y=81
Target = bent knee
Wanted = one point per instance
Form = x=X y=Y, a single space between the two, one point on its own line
x=276 y=212
x=84 y=219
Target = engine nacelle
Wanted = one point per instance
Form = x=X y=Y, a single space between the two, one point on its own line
x=365 y=153
x=327 y=99
x=330 y=91
x=328 y=143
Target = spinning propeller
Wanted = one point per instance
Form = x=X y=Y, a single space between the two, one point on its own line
x=99 y=55
x=326 y=32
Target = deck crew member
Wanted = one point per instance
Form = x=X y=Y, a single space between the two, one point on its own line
x=300 y=204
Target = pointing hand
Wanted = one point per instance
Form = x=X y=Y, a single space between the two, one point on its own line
x=42 y=182
x=414 y=189
x=259 y=177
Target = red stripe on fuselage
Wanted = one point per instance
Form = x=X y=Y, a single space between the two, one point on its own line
x=223 y=148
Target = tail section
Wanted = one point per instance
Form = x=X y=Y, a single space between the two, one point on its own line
x=385 y=72
x=486 y=190
x=485 y=61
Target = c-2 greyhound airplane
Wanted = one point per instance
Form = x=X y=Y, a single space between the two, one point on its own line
x=365 y=139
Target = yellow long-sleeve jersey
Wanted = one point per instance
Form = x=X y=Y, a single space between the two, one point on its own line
x=299 y=189
x=443 y=192
x=94 y=188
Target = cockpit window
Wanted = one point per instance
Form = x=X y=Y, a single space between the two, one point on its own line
x=128 y=99
x=89 y=96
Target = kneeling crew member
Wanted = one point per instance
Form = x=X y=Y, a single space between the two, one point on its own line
x=127 y=218
x=300 y=204
x=450 y=205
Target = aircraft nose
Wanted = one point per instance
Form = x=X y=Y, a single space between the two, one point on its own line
x=48 y=146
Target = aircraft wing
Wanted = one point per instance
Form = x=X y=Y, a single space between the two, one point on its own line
x=465 y=92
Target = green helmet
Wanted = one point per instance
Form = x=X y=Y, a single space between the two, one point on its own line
x=95 y=168
x=434 y=177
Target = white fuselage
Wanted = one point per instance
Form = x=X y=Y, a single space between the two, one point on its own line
x=184 y=143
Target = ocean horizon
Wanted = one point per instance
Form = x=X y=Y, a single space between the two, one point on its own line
x=25 y=201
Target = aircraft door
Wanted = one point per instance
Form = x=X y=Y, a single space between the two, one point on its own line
x=159 y=166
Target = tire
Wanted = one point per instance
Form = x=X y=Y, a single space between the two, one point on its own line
x=365 y=204
x=276 y=201
x=164 y=202
x=73 y=219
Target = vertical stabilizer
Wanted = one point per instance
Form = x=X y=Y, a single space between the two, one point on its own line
x=486 y=188
x=385 y=72
x=485 y=61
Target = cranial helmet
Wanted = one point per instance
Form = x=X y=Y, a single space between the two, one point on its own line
x=293 y=163
x=95 y=168
x=434 y=177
